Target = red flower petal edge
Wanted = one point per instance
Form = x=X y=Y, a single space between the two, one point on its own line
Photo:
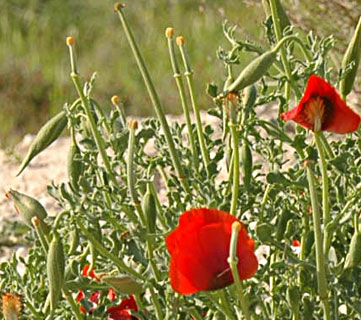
x=122 y=311
x=199 y=248
x=321 y=101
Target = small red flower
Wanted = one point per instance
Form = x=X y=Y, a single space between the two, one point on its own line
x=94 y=299
x=91 y=273
x=322 y=109
x=295 y=243
x=123 y=310
x=199 y=248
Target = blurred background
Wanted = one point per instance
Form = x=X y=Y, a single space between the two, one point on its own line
x=34 y=62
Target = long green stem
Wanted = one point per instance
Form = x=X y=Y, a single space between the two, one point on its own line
x=235 y=161
x=325 y=198
x=278 y=32
x=73 y=305
x=130 y=172
x=189 y=76
x=156 y=303
x=178 y=79
x=154 y=97
x=320 y=261
x=233 y=263
x=97 y=137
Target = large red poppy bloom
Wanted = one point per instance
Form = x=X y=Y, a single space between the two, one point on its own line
x=199 y=248
x=322 y=109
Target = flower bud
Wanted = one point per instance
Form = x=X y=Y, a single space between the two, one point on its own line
x=29 y=208
x=247 y=164
x=115 y=99
x=249 y=96
x=353 y=258
x=70 y=41
x=46 y=136
x=254 y=71
x=282 y=224
x=180 y=41
x=55 y=270
x=150 y=209
x=169 y=32
x=293 y=298
x=352 y=54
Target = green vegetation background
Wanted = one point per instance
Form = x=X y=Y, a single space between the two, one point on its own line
x=34 y=62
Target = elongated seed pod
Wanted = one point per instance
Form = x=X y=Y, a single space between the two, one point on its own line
x=282 y=224
x=49 y=132
x=75 y=166
x=150 y=209
x=353 y=258
x=293 y=298
x=74 y=240
x=353 y=53
x=55 y=266
x=254 y=71
x=249 y=96
x=247 y=164
x=28 y=208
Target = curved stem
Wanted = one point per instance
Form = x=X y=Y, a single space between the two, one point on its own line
x=235 y=159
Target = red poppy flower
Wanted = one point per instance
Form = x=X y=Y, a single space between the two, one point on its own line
x=295 y=243
x=199 y=248
x=322 y=109
x=123 y=310
x=91 y=273
x=94 y=299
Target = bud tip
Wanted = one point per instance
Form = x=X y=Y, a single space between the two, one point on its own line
x=180 y=41
x=236 y=226
x=70 y=41
x=133 y=124
x=115 y=99
x=118 y=6
x=169 y=32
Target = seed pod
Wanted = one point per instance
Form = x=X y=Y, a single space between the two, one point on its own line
x=150 y=209
x=264 y=232
x=55 y=270
x=75 y=165
x=282 y=224
x=353 y=258
x=254 y=71
x=123 y=284
x=310 y=241
x=74 y=241
x=49 y=132
x=293 y=298
x=247 y=164
x=28 y=208
x=353 y=53
x=249 y=96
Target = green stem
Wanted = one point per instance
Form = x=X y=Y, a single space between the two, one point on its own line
x=59 y=218
x=156 y=303
x=320 y=261
x=189 y=76
x=225 y=303
x=104 y=252
x=326 y=145
x=235 y=160
x=325 y=198
x=278 y=32
x=233 y=263
x=178 y=79
x=154 y=98
x=97 y=137
x=130 y=173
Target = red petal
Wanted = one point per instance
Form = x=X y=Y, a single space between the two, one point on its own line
x=339 y=119
x=199 y=249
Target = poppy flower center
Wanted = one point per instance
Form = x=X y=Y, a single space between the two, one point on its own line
x=314 y=111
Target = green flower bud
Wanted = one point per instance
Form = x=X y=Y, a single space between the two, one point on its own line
x=249 y=96
x=254 y=71
x=55 y=270
x=150 y=209
x=247 y=164
x=353 y=53
x=282 y=224
x=353 y=257
x=46 y=136
x=123 y=284
x=28 y=208
x=75 y=165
